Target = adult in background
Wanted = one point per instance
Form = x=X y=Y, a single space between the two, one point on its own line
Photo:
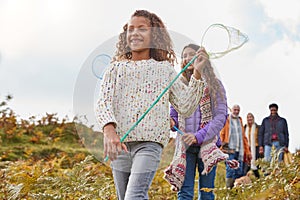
x=235 y=144
x=273 y=132
x=251 y=132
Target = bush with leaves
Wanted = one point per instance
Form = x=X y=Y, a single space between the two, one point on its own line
x=279 y=182
x=46 y=160
x=90 y=179
x=48 y=180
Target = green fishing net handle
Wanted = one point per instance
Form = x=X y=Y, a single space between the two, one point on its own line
x=155 y=102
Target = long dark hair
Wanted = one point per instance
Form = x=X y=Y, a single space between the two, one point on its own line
x=213 y=83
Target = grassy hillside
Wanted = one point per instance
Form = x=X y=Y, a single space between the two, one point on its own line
x=46 y=159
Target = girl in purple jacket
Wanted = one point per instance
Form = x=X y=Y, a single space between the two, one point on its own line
x=202 y=127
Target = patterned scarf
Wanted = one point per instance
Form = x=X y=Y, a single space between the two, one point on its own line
x=251 y=139
x=209 y=152
x=236 y=137
x=205 y=107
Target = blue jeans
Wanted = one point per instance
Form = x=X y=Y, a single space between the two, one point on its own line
x=134 y=171
x=268 y=149
x=205 y=181
x=235 y=173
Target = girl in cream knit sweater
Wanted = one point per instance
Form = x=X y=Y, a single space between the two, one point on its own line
x=141 y=69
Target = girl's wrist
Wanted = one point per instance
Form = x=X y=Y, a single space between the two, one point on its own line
x=197 y=75
x=109 y=126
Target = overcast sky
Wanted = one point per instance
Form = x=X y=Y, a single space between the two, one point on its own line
x=44 y=44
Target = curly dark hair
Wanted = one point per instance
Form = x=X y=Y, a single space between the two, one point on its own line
x=213 y=83
x=161 y=44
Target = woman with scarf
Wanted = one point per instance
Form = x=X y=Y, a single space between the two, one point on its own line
x=199 y=148
x=251 y=132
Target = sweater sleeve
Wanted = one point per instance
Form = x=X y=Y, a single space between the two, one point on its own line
x=104 y=109
x=213 y=128
x=185 y=99
x=174 y=116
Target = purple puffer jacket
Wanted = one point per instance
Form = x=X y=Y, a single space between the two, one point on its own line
x=213 y=128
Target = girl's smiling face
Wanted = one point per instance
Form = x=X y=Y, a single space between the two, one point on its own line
x=187 y=55
x=139 y=35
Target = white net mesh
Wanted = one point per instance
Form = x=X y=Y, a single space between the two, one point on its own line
x=235 y=39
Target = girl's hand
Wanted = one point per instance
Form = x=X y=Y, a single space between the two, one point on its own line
x=172 y=123
x=189 y=139
x=201 y=61
x=112 y=145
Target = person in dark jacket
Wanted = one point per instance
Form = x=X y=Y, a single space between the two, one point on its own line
x=273 y=132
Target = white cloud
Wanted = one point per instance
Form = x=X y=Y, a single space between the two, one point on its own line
x=282 y=10
x=285 y=13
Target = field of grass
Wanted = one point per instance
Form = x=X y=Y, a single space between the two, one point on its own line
x=46 y=159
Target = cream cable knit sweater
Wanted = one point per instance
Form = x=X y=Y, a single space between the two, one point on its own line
x=130 y=87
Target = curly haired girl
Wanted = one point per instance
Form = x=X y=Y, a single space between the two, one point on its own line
x=141 y=69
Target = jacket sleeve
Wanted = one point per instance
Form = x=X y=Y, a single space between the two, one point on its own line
x=261 y=133
x=256 y=137
x=213 y=128
x=174 y=116
x=223 y=131
x=286 y=134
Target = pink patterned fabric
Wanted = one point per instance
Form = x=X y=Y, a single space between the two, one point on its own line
x=175 y=172
x=211 y=155
x=209 y=152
